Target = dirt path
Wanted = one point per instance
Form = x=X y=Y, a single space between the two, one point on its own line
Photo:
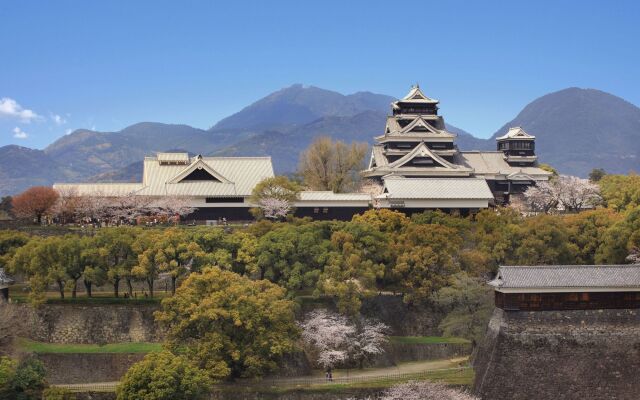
x=318 y=377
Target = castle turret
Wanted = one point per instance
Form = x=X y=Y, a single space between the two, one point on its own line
x=518 y=147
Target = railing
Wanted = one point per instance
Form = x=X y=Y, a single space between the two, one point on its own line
x=320 y=381
x=287 y=382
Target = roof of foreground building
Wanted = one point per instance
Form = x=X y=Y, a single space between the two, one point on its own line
x=560 y=278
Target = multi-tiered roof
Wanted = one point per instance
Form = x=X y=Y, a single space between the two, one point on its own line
x=415 y=141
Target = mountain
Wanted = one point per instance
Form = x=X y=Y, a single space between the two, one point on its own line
x=89 y=153
x=22 y=167
x=576 y=130
x=298 y=105
x=580 y=129
x=285 y=147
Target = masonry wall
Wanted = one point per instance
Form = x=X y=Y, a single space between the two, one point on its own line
x=580 y=354
x=61 y=323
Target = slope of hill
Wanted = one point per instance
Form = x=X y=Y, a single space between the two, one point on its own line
x=297 y=104
x=89 y=153
x=285 y=147
x=576 y=130
x=22 y=167
x=580 y=129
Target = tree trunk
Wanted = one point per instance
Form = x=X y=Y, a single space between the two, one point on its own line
x=116 y=286
x=87 y=287
x=130 y=287
x=74 y=290
x=173 y=284
x=61 y=289
x=150 y=283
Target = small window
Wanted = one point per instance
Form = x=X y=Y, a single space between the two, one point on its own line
x=325 y=210
x=316 y=210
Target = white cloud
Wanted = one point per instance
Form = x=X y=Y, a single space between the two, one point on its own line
x=58 y=119
x=68 y=131
x=19 y=133
x=11 y=109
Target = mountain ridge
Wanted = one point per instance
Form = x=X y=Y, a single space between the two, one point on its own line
x=576 y=129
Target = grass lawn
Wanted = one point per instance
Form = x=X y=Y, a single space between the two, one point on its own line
x=427 y=340
x=129 y=347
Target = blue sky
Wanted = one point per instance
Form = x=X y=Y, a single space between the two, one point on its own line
x=105 y=65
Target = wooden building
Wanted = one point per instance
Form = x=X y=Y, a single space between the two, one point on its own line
x=417 y=145
x=567 y=287
x=217 y=187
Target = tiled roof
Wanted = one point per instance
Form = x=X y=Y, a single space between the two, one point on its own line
x=101 y=189
x=493 y=162
x=176 y=157
x=516 y=133
x=567 y=276
x=4 y=278
x=238 y=176
x=436 y=188
x=310 y=195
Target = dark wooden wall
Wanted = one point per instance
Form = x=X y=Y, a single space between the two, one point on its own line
x=566 y=301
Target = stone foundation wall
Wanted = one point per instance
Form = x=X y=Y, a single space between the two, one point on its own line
x=65 y=323
x=87 y=368
x=589 y=354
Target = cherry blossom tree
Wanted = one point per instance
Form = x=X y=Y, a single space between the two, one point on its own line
x=68 y=204
x=542 y=197
x=424 y=390
x=273 y=208
x=575 y=193
x=338 y=340
x=569 y=192
x=368 y=341
x=172 y=206
x=329 y=334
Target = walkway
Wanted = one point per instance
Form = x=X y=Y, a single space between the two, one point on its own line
x=409 y=370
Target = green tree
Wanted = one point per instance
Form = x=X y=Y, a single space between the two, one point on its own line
x=10 y=241
x=171 y=251
x=426 y=260
x=274 y=196
x=544 y=239
x=360 y=258
x=57 y=393
x=596 y=174
x=164 y=376
x=384 y=220
x=620 y=192
x=587 y=231
x=7 y=374
x=115 y=249
x=27 y=381
x=229 y=325
x=468 y=303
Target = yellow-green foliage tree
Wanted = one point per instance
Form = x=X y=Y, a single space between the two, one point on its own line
x=620 y=192
x=359 y=259
x=10 y=242
x=426 y=260
x=171 y=251
x=335 y=166
x=544 y=240
x=229 y=325
x=115 y=248
x=164 y=376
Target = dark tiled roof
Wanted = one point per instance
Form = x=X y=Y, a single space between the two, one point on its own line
x=567 y=276
x=4 y=278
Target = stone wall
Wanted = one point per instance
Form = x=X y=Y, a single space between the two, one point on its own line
x=588 y=354
x=87 y=368
x=66 y=323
